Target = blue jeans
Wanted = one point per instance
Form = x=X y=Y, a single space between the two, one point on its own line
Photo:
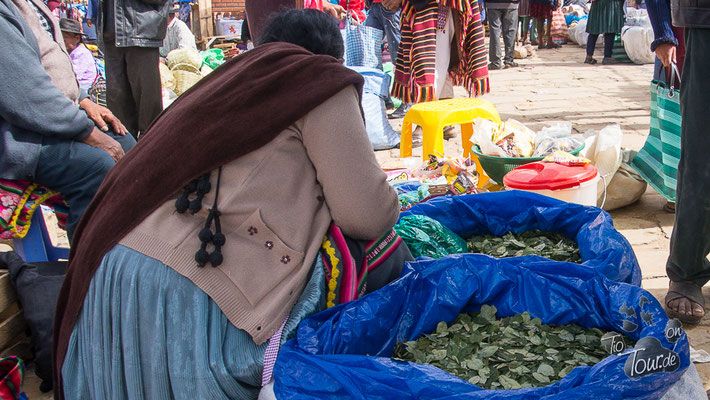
x=75 y=170
x=388 y=21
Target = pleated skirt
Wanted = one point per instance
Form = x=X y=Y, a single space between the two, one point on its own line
x=147 y=332
x=606 y=16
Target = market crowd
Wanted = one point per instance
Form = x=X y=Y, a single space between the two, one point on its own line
x=186 y=271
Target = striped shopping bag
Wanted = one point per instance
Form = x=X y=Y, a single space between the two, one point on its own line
x=657 y=162
x=619 y=52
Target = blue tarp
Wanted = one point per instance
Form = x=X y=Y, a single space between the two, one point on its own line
x=343 y=352
x=601 y=246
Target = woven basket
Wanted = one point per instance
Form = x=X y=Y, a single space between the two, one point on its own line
x=184 y=80
x=184 y=56
x=167 y=80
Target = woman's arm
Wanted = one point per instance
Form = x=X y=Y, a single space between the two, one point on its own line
x=356 y=191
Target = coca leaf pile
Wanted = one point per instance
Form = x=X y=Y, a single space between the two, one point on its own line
x=550 y=245
x=508 y=353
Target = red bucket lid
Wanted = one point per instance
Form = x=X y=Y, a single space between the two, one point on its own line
x=550 y=176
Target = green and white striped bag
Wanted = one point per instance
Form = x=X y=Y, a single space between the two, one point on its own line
x=657 y=162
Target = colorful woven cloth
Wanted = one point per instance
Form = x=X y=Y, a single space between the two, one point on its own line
x=416 y=58
x=18 y=202
x=12 y=371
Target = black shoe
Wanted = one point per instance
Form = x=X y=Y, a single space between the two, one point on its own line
x=389 y=104
x=610 y=61
x=590 y=60
x=493 y=67
x=399 y=112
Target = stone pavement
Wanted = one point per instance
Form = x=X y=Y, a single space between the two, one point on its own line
x=555 y=85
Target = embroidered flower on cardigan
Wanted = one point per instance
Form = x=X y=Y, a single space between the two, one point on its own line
x=285 y=259
x=269 y=244
x=252 y=231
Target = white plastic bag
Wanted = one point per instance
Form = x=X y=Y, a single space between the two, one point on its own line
x=482 y=136
x=556 y=137
x=637 y=43
x=604 y=150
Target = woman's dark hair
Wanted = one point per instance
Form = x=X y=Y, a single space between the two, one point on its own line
x=311 y=29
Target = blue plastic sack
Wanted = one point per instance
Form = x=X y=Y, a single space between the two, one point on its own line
x=343 y=352
x=375 y=91
x=601 y=246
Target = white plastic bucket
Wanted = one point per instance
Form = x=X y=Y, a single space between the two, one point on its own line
x=584 y=194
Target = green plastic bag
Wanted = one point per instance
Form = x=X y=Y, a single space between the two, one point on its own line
x=427 y=237
x=388 y=68
x=213 y=58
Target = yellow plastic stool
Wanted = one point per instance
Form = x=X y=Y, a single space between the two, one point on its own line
x=433 y=116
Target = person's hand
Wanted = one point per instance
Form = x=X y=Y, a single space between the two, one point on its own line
x=666 y=53
x=102 y=116
x=392 y=5
x=335 y=10
x=88 y=22
x=106 y=143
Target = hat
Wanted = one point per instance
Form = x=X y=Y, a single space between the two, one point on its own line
x=174 y=8
x=70 y=26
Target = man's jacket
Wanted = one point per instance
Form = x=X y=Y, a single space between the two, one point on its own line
x=691 y=13
x=133 y=23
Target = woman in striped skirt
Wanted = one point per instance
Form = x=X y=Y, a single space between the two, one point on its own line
x=605 y=17
x=542 y=10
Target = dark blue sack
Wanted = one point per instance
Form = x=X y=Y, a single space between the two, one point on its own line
x=343 y=352
x=601 y=246
x=374 y=93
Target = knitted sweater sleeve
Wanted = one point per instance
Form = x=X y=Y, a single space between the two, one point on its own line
x=356 y=191
x=659 y=12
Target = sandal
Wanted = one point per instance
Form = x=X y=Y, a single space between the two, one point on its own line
x=553 y=46
x=590 y=60
x=685 y=290
x=669 y=207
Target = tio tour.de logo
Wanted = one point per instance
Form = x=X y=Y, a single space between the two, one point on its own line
x=674 y=330
x=614 y=343
x=648 y=357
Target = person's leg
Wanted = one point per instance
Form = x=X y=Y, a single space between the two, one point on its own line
x=540 y=23
x=690 y=241
x=144 y=77
x=510 y=19
x=526 y=28
x=443 y=55
x=119 y=98
x=75 y=170
x=494 y=25
x=387 y=21
x=548 y=33
x=591 y=44
x=608 y=44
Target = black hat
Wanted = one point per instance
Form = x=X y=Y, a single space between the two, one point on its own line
x=174 y=8
x=70 y=26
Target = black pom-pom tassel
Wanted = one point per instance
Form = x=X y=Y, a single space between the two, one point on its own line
x=182 y=203
x=205 y=235
x=218 y=239
x=195 y=205
x=216 y=258
x=202 y=257
x=203 y=186
x=192 y=186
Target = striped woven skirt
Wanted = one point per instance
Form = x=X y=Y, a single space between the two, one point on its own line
x=606 y=16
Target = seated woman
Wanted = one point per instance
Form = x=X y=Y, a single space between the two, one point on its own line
x=200 y=253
